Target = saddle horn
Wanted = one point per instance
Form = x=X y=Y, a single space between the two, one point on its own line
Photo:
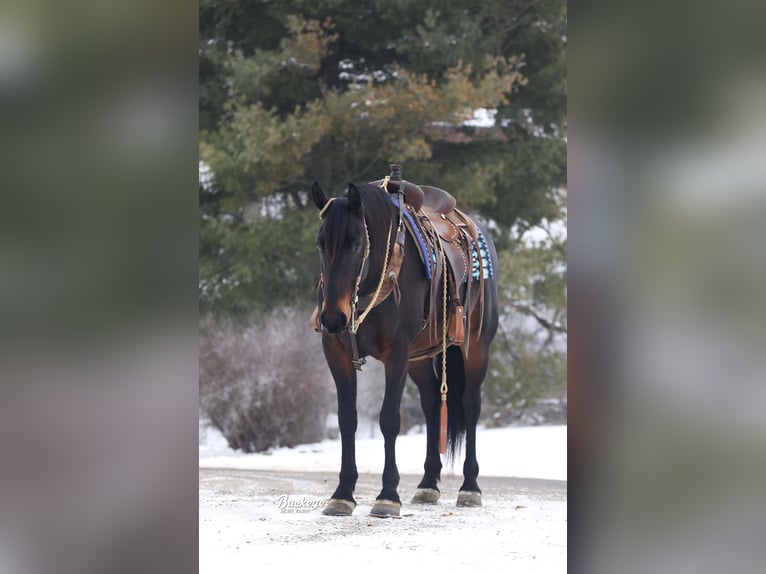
x=413 y=194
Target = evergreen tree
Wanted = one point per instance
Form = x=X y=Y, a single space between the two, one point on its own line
x=334 y=90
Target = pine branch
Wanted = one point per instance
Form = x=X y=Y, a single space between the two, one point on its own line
x=514 y=356
x=553 y=327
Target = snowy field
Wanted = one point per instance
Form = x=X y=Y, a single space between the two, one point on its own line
x=532 y=452
x=263 y=511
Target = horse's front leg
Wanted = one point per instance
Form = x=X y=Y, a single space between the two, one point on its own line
x=342 y=502
x=395 y=360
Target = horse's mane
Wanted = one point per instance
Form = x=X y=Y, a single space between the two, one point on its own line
x=378 y=208
x=379 y=212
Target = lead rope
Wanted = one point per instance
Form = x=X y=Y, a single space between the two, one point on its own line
x=443 y=389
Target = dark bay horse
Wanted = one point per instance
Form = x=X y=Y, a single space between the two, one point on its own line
x=353 y=245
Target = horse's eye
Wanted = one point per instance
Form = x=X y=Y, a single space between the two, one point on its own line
x=320 y=244
x=356 y=246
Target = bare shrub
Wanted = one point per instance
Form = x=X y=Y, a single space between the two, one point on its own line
x=265 y=385
x=371 y=387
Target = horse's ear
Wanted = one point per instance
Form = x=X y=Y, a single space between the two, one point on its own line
x=354 y=199
x=318 y=195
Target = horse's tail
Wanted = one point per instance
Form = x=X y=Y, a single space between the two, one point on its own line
x=455 y=391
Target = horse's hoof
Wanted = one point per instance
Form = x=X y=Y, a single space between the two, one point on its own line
x=339 y=507
x=385 y=508
x=468 y=498
x=426 y=496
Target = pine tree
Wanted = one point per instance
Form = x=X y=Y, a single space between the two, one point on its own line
x=334 y=90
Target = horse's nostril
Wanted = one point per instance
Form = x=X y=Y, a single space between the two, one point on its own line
x=334 y=322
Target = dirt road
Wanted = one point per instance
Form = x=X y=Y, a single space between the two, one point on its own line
x=253 y=519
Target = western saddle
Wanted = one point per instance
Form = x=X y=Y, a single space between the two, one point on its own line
x=446 y=230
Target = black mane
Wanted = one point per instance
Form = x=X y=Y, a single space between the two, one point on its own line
x=379 y=212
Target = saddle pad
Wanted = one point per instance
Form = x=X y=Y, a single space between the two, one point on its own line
x=415 y=231
x=486 y=260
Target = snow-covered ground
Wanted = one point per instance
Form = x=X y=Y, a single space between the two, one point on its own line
x=245 y=525
x=532 y=452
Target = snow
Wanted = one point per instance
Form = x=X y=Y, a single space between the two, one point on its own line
x=543 y=234
x=206 y=177
x=532 y=452
x=482 y=118
x=264 y=510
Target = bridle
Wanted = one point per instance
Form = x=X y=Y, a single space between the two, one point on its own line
x=356 y=320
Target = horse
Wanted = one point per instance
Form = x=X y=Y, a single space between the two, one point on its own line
x=354 y=251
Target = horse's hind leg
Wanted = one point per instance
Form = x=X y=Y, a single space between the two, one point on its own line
x=395 y=361
x=422 y=373
x=475 y=370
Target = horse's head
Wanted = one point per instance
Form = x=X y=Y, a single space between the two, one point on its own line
x=342 y=242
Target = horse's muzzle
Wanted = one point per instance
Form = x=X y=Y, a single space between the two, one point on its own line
x=334 y=322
